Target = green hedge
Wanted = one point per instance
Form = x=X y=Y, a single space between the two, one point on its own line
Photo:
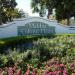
x=13 y=41
x=61 y=46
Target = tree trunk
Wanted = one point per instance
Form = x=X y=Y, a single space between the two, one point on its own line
x=68 y=21
x=0 y=19
x=49 y=13
x=10 y=18
x=74 y=17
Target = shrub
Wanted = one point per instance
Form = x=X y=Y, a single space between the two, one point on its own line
x=42 y=48
x=27 y=55
x=14 y=41
x=60 y=46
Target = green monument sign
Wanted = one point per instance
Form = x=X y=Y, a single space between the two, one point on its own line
x=36 y=28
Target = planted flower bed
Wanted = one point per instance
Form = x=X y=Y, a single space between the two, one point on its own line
x=47 y=68
x=48 y=56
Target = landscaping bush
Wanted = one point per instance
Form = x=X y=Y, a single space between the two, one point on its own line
x=18 y=40
x=48 y=56
x=60 y=46
x=42 y=48
x=52 y=67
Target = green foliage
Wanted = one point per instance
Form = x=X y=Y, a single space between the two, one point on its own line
x=13 y=41
x=64 y=9
x=34 y=61
x=42 y=47
x=61 y=47
x=6 y=8
x=3 y=60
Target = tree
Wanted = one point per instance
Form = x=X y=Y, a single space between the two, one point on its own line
x=6 y=7
x=64 y=9
x=42 y=6
x=0 y=12
x=19 y=13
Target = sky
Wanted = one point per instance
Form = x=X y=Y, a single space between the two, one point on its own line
x=25 y=5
